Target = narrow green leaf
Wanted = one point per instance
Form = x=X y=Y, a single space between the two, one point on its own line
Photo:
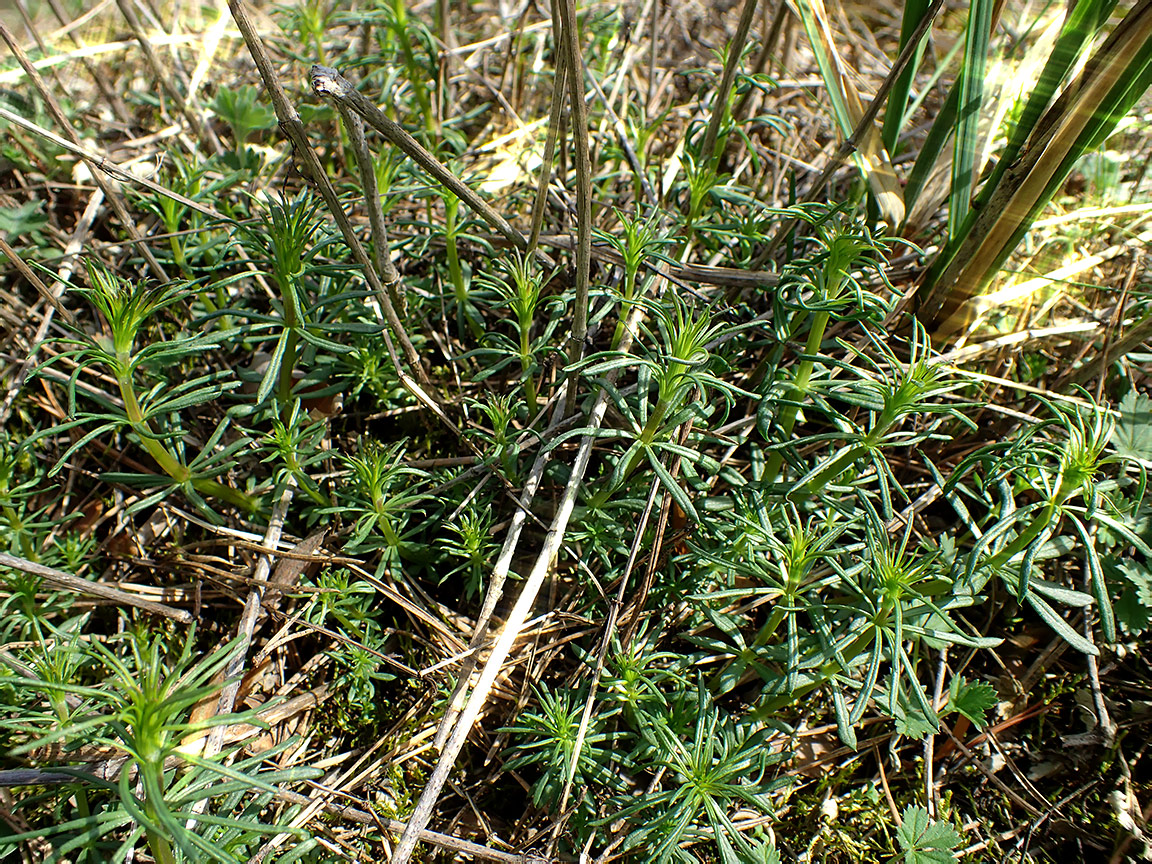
x=971 y=100
x=272 y=372
x=674 y=489
x=1063 y=629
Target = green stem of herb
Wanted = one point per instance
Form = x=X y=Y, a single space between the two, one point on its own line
x=799 y=389
x=646 y=437
x=526 y=363
x=161 y=848
x=178 y=256
x=292 y=320
x=455 y=271
x=168 y=463
x=829 y=670
x=1034 y=529
x=626 y=298
x=18 y=530
x=219 y=491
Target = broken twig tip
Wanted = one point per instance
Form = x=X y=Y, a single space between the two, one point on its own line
x=326 y=81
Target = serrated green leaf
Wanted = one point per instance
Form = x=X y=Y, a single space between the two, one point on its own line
x=765 y=853
x=1132 y=436
x=924 y=841
x=1133 y=616
x=911 y=722
x=1140 y=578
x=972 y=699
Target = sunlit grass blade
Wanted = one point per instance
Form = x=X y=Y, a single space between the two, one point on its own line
x=1117 y=75
x=894 y=118
x=971 y=100
x=847 y=109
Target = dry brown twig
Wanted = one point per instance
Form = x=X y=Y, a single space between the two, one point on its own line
x=292 y=127
x=113 y=196
x=247 y=626
x=330 y=84
x=515 y=621
x=75 y=584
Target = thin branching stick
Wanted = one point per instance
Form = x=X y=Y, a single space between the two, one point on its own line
x=554 y=123
x=75 y=584
x=516 y=618
x=329 y=83
x=294 y=129
x=113 y=196
x=574 y=61
x=495 y=588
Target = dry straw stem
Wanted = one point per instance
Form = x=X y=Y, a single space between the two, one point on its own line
x=495 y=587
x=30 y=274
x=623 y=139
x=850 y=143
x=68 y=582
x=502 y=567
x=158 y=69
x=294 y=129
x=329 y=83
x=1020 y=291
x=574 y=61
x=848 y=110
x=516 y=618
x=433 y=838
x=247 y=625
x=610 y=625
x=58 y=115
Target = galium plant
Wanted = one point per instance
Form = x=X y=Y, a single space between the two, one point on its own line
x=518 y=284
x=784 y=572
x=1055 y=469
x=152 y=415
x=637 y=241
x=674 y=384
x=380 y=496
x=549 y=741
x=716 y=764
x=472 y=545
x=164 y=792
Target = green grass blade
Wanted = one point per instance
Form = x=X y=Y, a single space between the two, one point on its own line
x=914 y=11
x=971 y=100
